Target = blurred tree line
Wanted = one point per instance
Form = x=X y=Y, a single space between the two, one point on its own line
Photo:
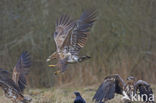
x=123 y=39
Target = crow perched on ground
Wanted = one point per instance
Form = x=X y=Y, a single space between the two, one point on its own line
x=78 y=98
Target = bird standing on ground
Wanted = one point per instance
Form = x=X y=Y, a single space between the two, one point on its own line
x=70 y=36
x=78 y=98
x=114 y=84
x=13 y=86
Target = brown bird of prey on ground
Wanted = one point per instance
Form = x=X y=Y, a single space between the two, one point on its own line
x=131 y=90
x=70 y=36
x=13 y=86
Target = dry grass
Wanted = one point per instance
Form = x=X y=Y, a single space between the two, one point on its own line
x=63 y=95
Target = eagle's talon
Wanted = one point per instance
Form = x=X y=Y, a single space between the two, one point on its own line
x=57 y=72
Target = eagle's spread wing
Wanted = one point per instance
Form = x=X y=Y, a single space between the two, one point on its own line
x=143 y=88
x=63 y=27
x=81 y=30
x=111 y=85
x=6 y=81
x=21 y=70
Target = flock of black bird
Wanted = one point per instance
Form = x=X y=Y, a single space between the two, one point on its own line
x=70 y=36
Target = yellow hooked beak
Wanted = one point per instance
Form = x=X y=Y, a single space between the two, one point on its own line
x=52 y=65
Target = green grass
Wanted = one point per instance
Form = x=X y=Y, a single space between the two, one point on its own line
x=63 y=95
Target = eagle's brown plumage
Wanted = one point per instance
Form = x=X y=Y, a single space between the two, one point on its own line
x=70 y=36
x=13 y=86
x=114 y=84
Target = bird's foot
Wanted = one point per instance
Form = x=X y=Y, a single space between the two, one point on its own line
x=57 y=72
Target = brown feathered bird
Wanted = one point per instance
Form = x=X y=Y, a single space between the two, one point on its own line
x=70 y=36
x=114 y=84
x=13 y=86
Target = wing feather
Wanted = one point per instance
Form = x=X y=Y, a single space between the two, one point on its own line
x=63 y=27
x=143 y=88
x=106 y=91
x=6 y=81
x=21 y=70
x=82 y=28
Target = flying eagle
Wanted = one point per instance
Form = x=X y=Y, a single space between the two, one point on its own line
x=70 y=36
x=78 y=98
x=13 y=86
x=114 y=84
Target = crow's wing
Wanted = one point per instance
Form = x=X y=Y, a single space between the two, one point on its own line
x=62 y=31
x=81 y=30
x=6 y=81
x=144 y=89
x=21 y=70
x=79 y=100
x=111 y=85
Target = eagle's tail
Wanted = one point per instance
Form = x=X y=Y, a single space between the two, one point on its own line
x=81 y=59
x=26 y=100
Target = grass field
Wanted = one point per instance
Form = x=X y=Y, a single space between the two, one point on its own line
x=62 y=95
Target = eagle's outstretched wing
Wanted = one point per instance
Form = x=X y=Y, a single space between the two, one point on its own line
x=144 y=89
x=62 y=31
x=21 y=70
x=111 y=85
x=81 y=30
x=6 y=81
